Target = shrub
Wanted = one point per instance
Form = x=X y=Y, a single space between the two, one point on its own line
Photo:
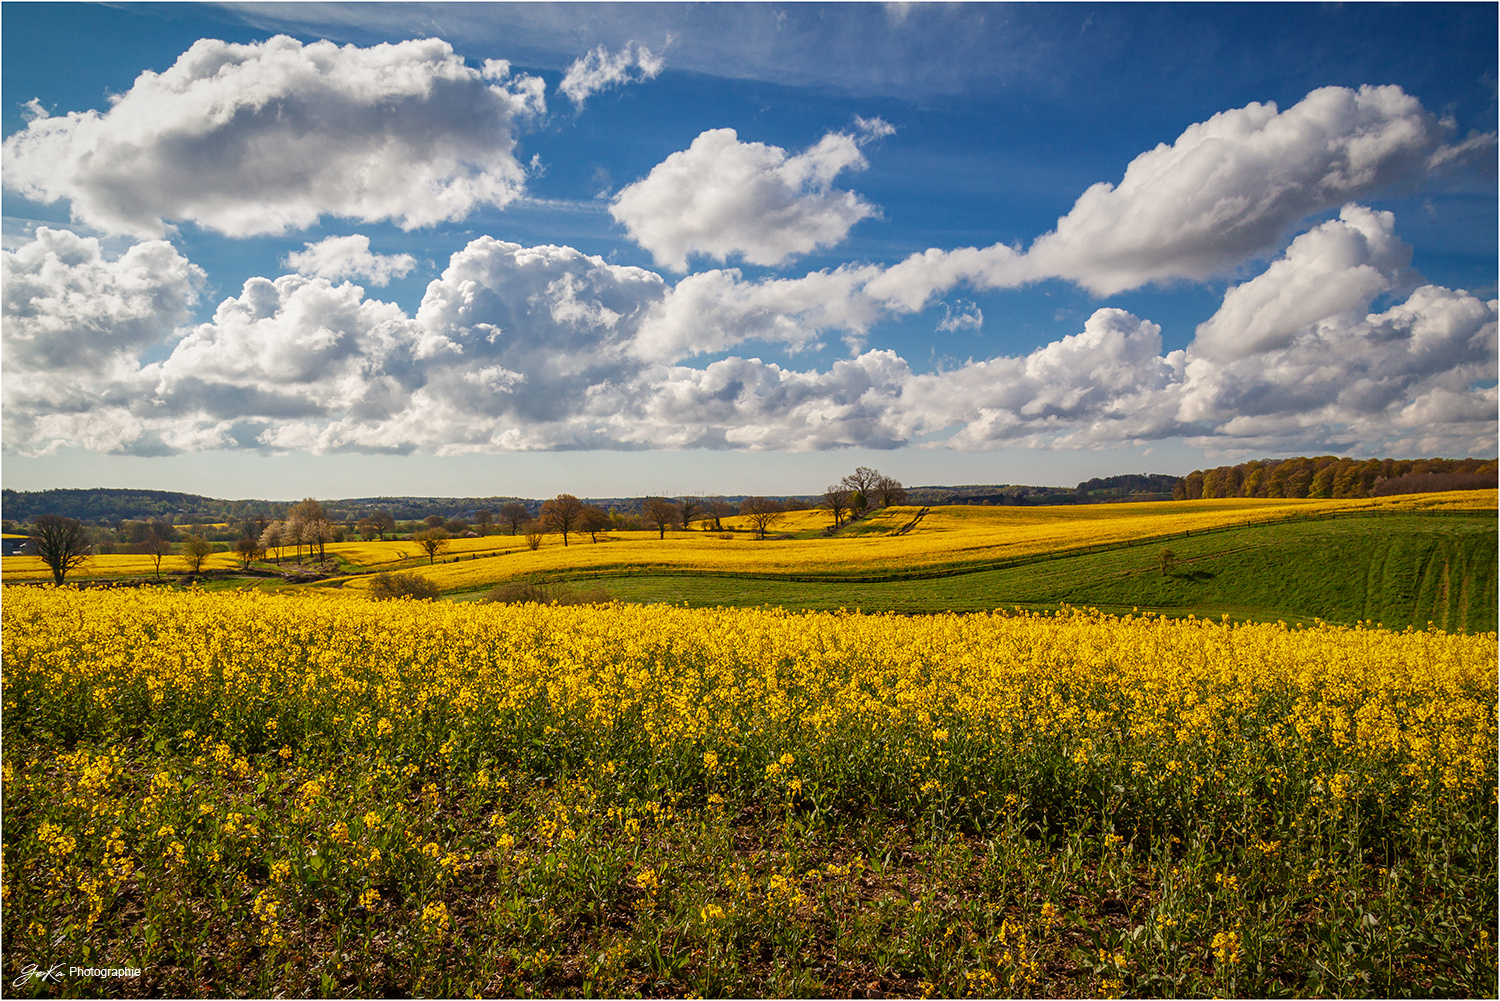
x=387 y=586
x=519 y=592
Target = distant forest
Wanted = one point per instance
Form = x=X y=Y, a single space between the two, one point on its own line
x=1329 y=476
x=1100 y=490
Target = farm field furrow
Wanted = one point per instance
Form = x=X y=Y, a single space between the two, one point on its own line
x=242 y=793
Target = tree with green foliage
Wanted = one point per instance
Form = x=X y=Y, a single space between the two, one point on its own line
x=431 y=541
x=248 y=550
x=196 y=549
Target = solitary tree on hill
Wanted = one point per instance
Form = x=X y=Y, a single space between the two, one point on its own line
x=862 y=481
x=763 y=513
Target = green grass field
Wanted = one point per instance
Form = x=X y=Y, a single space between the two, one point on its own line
x=1395 y=569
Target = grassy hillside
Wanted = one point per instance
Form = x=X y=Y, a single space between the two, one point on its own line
x=1398 y=569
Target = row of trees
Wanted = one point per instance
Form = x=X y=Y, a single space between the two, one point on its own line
x=64 y=543
x=863 y=490
x=1328 y=476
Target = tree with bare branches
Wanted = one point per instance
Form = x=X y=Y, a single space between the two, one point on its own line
x=515 y=515
x=890 y=491
x=763 y=513
x=660 y=514
x=61 y=542
x=690 y=508
x=595 y=520
x=563 y=514
x=248 y=550
x=158 y=548
x=836 y=500
x=718 y=508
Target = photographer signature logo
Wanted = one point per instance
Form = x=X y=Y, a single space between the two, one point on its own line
x=34 y=971
x=57 y=971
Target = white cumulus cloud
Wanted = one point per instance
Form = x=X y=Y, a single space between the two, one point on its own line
x=598 y=70
x=544 y=347
x=1226 y=191
x=1334 y=269
x=723 y=198
x=270 y=136
x=350 y=257
x=1229 y=188
x=67 y=306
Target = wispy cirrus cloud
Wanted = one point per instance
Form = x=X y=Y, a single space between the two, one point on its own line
x=600 y=70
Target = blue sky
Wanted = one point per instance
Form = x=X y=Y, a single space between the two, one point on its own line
x=339 y=249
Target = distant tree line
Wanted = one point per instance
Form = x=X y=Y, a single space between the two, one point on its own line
x=1128 y=487
x=1328 y=476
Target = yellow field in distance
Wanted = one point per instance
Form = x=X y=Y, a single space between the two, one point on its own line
x=375 y=554
x=944 y=537
x=117 y=565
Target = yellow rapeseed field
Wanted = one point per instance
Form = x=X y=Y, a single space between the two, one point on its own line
x=1357 y=702
x=108 y=565
x=374 y=554
x=252 y=793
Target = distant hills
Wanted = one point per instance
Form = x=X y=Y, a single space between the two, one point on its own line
x=1324 y=476
x=108 y=505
